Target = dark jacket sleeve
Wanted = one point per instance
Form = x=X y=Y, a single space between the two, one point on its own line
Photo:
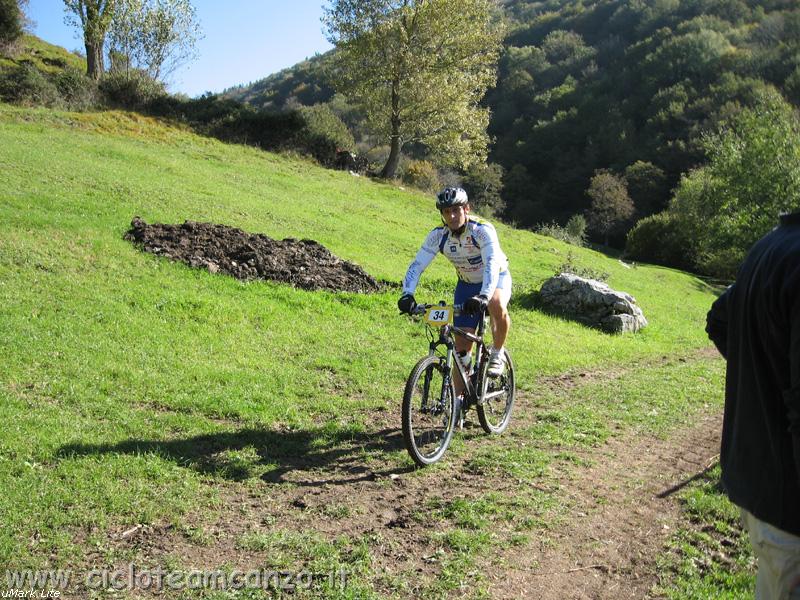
x=717 y=322
x=791 y=397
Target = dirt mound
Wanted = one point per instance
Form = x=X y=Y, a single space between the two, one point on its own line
x=305 y=264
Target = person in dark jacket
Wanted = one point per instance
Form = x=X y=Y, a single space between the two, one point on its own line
x=755 y=324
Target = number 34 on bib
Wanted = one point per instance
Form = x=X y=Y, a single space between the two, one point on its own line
x=439 y=316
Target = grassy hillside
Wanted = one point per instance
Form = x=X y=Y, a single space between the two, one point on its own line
x=46 y=57
x=105 y=346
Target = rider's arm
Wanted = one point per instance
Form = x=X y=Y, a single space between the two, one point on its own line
x=421 y=261
x=493 y=258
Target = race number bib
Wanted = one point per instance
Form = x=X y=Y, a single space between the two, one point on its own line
x=439 y=316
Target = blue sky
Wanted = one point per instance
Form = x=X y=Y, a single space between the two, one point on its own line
x=245 y=40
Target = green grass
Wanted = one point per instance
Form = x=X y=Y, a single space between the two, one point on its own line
x=650 y=399
x=47 y=58
x=131 y=385
x=711 y=557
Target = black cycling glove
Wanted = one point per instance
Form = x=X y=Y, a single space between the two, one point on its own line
x=476 y=305
x=406 y=303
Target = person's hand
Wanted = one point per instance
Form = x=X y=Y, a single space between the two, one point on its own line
x=406 y=303
x=794 y=588
x=476 y=305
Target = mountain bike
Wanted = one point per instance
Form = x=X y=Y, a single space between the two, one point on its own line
x=431 y=409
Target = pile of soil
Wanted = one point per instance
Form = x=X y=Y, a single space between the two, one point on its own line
x=305 y=264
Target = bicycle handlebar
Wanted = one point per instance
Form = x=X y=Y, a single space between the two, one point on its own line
x=420 y=309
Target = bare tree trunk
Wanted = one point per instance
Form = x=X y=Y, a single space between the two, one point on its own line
x=390 y=168
x=94 y=60
x=392 y=163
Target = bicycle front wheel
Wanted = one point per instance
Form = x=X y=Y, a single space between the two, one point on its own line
x=496 y=398
x=429 y=411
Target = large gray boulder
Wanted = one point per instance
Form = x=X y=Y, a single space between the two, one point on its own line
x=592 y=302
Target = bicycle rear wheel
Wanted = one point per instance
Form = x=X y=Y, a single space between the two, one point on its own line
x=496 y=398
x=429 y=411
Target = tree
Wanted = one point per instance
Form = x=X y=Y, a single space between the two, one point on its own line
x=483 y=184
x=611 y=205
x=752 y=175
x=12 y=21
x=660 y=239
x=566 y=47
x=155 y=36
x=94 y=18
x=420 y=69
x=647 y=187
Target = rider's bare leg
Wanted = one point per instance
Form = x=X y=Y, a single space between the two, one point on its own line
x=499 y=318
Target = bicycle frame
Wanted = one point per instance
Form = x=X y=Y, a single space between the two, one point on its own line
x=447 y=335
x=429 y=424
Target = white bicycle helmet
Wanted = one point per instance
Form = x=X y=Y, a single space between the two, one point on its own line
x=451 y=196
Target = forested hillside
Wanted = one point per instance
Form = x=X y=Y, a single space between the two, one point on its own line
x=623 y=85
x=304 y=83
x=591 y=85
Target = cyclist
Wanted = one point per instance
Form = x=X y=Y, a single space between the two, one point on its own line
x=484 y=280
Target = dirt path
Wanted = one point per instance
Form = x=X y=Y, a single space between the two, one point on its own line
x=622 y=511
x=616 y=508
x=619 y=512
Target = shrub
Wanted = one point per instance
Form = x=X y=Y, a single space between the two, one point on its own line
x=571 y=266
x=321 y=147
x=285 y=130
x=660 y=239
x=77 y=91
x=576 y=228
x=270 y=131
x=422 y=175
x=132 y=89
x=322 y=122
x=208 y=109
x=313 y=131
x=28 y=86
x=573 y=233
x=721 y=262
x=169 y=106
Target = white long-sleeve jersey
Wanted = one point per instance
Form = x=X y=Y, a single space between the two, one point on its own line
x=476 y=255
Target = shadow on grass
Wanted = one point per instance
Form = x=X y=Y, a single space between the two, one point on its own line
x=709 y=284
x=527 y=299
x=703 y=475
x=311 y=457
